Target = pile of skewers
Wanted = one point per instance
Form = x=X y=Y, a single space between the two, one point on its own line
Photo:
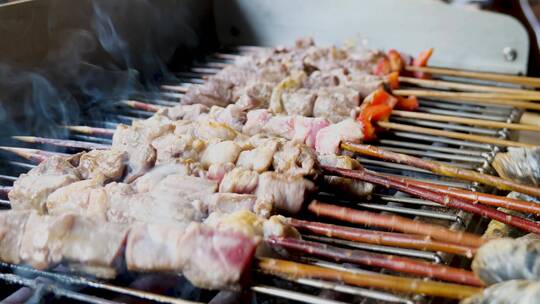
x=259 y=137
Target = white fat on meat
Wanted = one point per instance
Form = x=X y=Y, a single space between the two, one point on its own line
x=239 y=180
x=220 y=153
x=255 y=95
x=207 y=258
x=329 y=138
x=344 y=185
x=212 y=131
x=295 y=159
x=107 y=163
x=30 y=190
x=286 y=193
x=12 y=225
x=259 y=158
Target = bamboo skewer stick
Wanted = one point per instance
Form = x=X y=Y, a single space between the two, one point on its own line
x=289 y=269
x=62 y=142
x=476 y=197
x=142 y=105
x=464 y=95
x=443 y=199
x=468 y=121
x=91 y=130
x=179 y=89
x=442 y=169
x=33 y=155
x=386 y=261
x=522 y=80
x=394 y=223
x=410 y=241
x=500 y=102
x=455 y=135
x=450 y=85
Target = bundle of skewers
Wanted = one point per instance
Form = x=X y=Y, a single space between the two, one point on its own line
x=205 y=187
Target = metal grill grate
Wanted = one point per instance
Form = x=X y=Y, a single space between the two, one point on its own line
x=460 y=153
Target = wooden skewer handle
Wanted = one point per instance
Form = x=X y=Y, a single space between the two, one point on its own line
x=455 y=135
x=523 y=80
x=469 y=121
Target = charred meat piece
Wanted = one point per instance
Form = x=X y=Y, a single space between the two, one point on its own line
x=30 y=190
x=208 y=258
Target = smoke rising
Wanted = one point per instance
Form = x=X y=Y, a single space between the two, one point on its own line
x=99 y=52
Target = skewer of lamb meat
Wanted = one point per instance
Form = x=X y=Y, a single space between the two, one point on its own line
x=524 y=224
x=209 y=258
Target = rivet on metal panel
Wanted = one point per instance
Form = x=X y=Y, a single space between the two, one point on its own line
x=510 y=54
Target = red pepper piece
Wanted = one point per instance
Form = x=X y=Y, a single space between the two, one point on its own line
x=409 y=104
x=373 y=113
x=396 y=61
x=421 y=61
x=382 y=67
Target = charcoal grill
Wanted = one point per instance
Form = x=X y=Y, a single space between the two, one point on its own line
x=459 y=39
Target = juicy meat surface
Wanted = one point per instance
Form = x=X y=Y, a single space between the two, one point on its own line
x=30 y=190
x=171 y=147
x=233 y=115
x=220 y=153
x=239 y=180
x=336 y=103
x=295 y=159
x=230 y=202
x=299 y=102
x=136 y=141
x=12 y=224
x=208 y=258
x=287 y=193
x=107 y=163
x=329 y=138
x=261 y=157
x=50 y=240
